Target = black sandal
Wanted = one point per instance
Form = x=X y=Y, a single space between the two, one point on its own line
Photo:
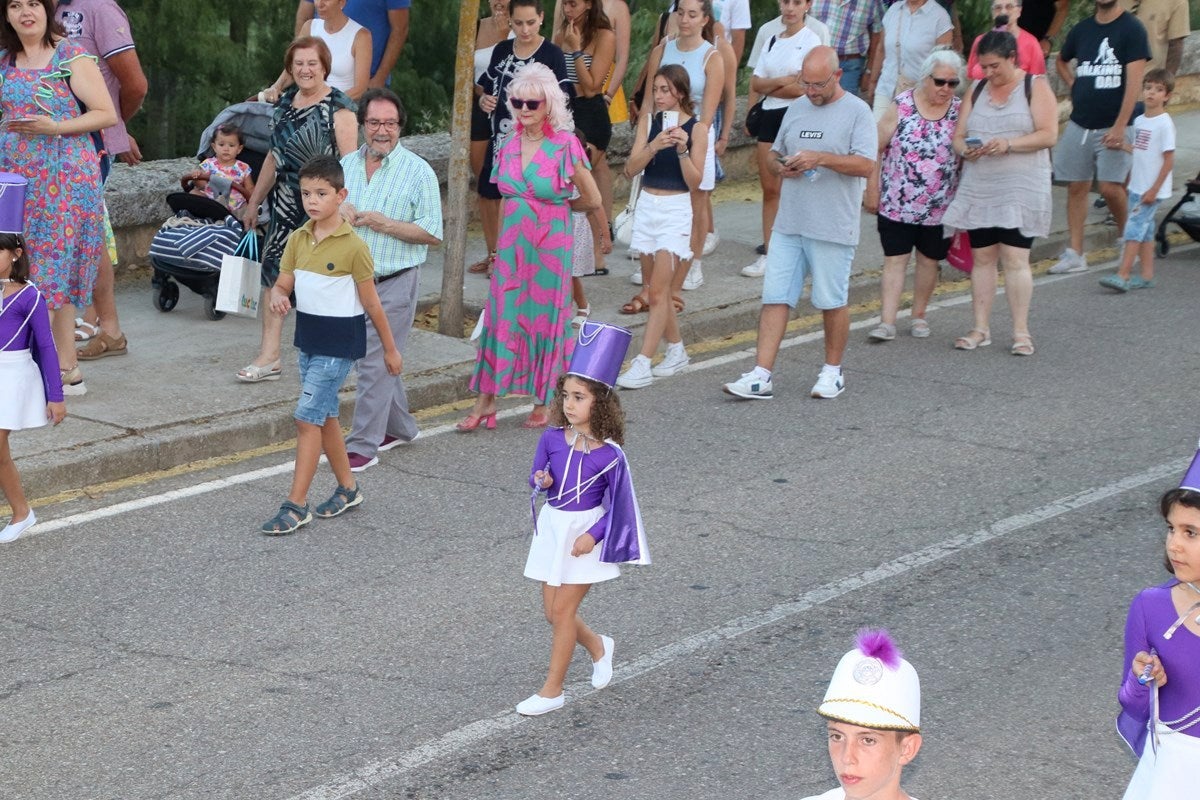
x=342 y=501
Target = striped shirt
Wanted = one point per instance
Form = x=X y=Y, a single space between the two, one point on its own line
x=403 y=188
x=850 y=23
x=330 y=320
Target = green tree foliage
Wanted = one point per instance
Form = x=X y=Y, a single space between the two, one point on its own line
x=200 y=57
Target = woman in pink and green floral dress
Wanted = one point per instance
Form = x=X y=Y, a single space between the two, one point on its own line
x=525 y=345
x=44 y=78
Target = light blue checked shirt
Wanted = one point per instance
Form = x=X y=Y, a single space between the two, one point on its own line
x=850 y=22
x=404 y=188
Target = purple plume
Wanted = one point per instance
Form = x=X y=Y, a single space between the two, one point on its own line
x=879 y=644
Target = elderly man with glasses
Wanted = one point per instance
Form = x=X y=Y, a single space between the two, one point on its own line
x=824 y=153
x=1030 y=57
x=394 y=204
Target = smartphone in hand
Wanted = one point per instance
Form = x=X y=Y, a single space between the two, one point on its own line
x=974 y=143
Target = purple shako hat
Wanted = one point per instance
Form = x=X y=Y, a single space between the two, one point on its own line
x=12 y=203
x=1191 y=478
x=599 y=352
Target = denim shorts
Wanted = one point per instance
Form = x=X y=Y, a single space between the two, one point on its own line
x=1139 y=227
x=321 y=377
x=791 y=258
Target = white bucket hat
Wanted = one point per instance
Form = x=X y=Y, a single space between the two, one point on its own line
x=874 y=687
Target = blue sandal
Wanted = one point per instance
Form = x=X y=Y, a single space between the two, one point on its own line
x=342 y=501
x=290 y=518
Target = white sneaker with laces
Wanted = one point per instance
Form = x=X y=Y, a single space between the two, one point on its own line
x=695 y=277
x=757 y=269
x=829 y=385
x=638 y=376
x=675 y=360
x=750 y=387
x=711 y=240
x=1069 y=261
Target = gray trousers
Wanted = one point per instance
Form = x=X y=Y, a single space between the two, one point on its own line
x=380 y=402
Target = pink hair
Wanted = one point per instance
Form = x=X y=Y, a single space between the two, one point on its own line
x=537 y=80
x=879 y=644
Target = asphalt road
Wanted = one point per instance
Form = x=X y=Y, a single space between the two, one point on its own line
x=996 y=513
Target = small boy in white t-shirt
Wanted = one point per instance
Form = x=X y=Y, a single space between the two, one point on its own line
x=1153 y=149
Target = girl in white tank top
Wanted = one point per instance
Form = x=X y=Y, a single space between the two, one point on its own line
x=341 y=48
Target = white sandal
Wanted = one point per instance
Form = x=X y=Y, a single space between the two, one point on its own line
x=253 y=373
x=84 y=330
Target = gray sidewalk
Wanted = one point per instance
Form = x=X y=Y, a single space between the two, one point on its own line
x=174 y=400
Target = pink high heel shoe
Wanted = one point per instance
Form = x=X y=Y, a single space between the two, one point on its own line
x=472 y=422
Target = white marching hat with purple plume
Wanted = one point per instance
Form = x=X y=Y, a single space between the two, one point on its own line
x=1191 y=478
x=874 y=687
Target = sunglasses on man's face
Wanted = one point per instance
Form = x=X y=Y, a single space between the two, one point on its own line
x=532 y=105
x=940 y=82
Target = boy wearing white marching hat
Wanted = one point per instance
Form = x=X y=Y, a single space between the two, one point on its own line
x=873 y=713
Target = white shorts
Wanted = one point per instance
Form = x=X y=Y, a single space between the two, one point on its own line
x=550 y=560
x=1169 y=772
x=663 y=222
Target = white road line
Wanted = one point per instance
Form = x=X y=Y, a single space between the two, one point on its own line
x=468 y=735
x=49 y=526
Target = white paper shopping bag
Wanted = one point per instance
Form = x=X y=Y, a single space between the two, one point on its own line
x=240 y=286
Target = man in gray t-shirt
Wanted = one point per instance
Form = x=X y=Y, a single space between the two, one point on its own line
x=824 y=152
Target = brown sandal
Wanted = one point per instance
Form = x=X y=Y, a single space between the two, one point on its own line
x=678 y=303
x=635 y=306
x=482 y=266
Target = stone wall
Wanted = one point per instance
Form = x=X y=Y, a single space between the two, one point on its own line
x=136 y=195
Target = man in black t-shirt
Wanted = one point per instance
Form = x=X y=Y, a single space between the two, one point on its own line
x=1110 y=51
x=1044 y=19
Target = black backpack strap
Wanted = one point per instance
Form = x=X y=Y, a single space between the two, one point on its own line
x=978 y=91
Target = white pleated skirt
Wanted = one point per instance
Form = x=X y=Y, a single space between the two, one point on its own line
x=22 y=396
x=1171 y=773
x=550 y=560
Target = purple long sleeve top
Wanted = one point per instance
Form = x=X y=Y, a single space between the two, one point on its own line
x=580 y=478
x=25 y=325
x=1151 y=614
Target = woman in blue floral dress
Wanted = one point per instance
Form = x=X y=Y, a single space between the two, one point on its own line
x=45 y=82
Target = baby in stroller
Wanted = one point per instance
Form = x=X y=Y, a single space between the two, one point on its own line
x=222 y=177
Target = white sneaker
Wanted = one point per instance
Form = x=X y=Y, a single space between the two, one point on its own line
x=1069 y=261
x=750 y=387
x=757 y=269
x=675 y=360
x=695 y=277
x=13 y=530
x=829 y=385
x=636 y=277
x=711 y=240
x=638 y=376
x=536 y=705
x=602 y=669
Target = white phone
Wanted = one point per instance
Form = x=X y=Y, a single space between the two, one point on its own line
x=670 y=119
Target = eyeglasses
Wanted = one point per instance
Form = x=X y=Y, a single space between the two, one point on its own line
x=532 y=105
x=387 y=124
x=818 y=86
x=940 y=82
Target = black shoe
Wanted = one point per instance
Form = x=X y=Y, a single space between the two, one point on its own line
x=761 y=249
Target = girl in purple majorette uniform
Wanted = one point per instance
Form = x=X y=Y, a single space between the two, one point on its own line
x=590 y=521
x=1160 y=694
x=31 y=390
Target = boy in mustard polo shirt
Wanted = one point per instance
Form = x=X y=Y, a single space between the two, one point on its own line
x=331 y=271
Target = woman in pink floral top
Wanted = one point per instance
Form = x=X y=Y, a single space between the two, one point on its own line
x=918 y=174
x=44 y=80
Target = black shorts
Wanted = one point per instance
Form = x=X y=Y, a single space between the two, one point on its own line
x=769 y=121
x=591 y=117
x=986 y=237
x=487 y=190
x=899 y=239
x=481 y=123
